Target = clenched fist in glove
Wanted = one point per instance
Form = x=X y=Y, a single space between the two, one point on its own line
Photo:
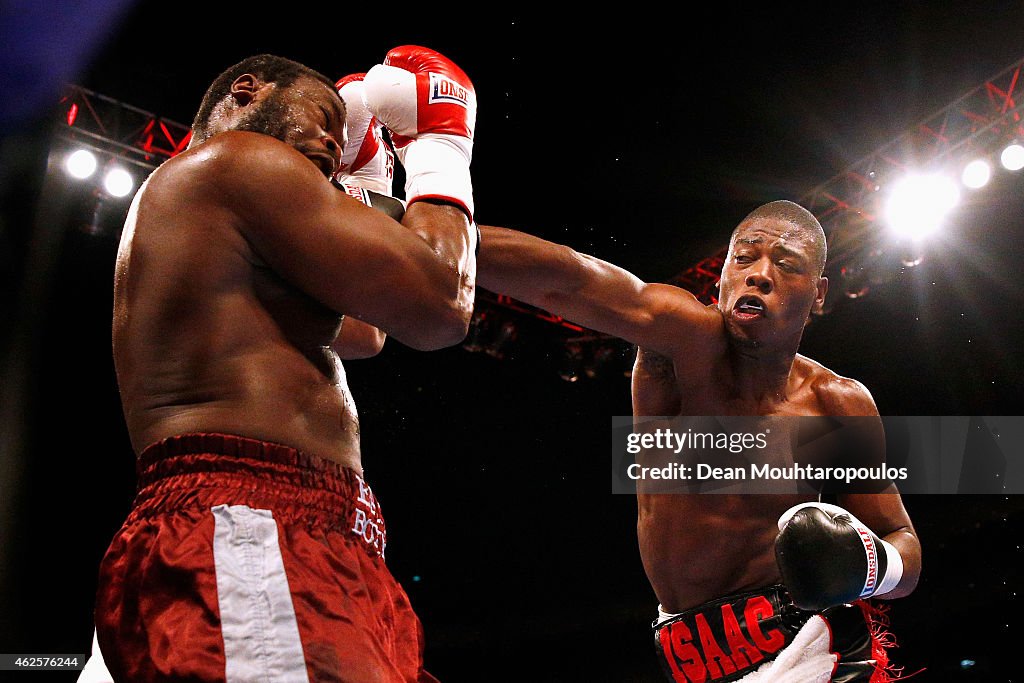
x=429 y=106
x=366 y=161
x=828 y=557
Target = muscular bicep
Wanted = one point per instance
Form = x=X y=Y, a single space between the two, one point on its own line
x=350 y=257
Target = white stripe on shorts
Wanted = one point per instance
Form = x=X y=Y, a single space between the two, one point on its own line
x=261 y=635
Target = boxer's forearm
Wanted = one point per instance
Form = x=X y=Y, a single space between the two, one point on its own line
x=526 y=267
x=909 y=547
x=885 y=514
x=446 y=231
x=590 y=292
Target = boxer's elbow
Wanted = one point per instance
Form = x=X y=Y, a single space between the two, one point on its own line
x=435 y=307
x=444 y=323
x=911 y=574
x=453 y=324
x=366 y=343
x=367 y=346
x=376 y=344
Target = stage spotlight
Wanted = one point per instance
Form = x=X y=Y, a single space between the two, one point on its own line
x=918 y=204
x=118 y=182
x=911 y=259
x=976 y=174
x=80 y=164
x=1013 y=157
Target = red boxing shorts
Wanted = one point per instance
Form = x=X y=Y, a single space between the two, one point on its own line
x=761 y=637
x=249 y=561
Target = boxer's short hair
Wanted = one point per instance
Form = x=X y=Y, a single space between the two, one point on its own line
x=799 y=216
x=267 y=68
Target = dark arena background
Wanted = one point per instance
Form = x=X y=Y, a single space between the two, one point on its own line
x=638 y=137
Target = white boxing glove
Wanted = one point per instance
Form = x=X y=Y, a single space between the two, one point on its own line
x=366 y=162
x=429 y=106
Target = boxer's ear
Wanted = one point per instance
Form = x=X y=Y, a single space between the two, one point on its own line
x=244 y=89
x=819 y=299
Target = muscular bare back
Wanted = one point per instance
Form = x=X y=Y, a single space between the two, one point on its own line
x=208 y=338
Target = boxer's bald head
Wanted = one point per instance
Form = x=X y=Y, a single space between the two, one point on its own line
x=773 y=276
x=802 y=219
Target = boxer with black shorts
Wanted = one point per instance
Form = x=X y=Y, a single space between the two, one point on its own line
x=255 y=549
x=752 y=587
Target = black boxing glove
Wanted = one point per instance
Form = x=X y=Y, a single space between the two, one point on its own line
x=829 y=557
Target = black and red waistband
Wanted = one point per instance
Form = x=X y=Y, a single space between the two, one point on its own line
x=726 y=639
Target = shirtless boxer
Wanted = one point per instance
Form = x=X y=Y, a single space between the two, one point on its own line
x=254 y=549
x=713 y=560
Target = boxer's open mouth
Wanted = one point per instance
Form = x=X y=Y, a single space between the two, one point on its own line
x=749 y=307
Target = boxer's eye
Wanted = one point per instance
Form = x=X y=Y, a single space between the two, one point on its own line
x=790 y=266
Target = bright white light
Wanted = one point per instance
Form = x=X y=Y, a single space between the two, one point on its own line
x=976 y=174
x=80 y=164
x=1013 y=157
x=118 y=182
x=919 y=203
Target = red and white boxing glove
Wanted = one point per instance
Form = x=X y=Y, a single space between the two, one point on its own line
x=429 y=105
x=829 y=557
x=366 y=162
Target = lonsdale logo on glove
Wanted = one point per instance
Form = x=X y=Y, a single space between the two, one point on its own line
x=829 y=557
x=434 y=144
x=444 y=90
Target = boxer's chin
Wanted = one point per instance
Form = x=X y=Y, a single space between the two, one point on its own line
x=745 y=336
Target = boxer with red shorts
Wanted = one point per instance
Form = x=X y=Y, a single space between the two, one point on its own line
x=254 y=550
x=241 y=557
